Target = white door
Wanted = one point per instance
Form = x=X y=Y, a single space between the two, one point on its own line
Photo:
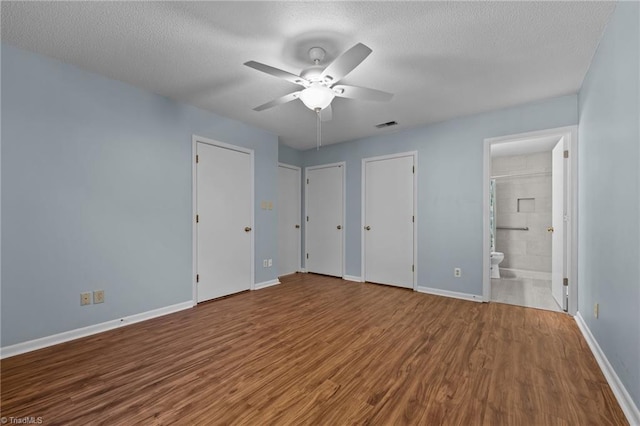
x=288 y=219
x=224 y=235
x=389 y=221
x=324 y=216
x=558 y=213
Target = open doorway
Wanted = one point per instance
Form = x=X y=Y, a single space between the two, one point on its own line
x=530 y=220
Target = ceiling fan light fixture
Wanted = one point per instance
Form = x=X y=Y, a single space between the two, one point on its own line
x=317 y=96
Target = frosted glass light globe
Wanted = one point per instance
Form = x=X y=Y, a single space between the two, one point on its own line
x=317 y=96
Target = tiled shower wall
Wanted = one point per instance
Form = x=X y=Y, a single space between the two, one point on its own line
x=524 y=201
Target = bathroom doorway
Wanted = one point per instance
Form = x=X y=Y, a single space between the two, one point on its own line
x=530 y=220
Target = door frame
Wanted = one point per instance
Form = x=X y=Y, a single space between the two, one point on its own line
x=195 y=139
x=571 y=248
x=342 y=164
x=413 y=154
x=299 y=170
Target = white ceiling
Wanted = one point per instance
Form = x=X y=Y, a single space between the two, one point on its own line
x=441 y=59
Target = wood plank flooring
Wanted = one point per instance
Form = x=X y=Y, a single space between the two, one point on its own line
x=322 y=351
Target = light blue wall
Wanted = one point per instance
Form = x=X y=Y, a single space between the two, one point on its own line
x=449 y=186
x=289 y=155
x=96 y=194
x=609 y=195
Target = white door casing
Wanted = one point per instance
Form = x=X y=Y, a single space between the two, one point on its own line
x=388 y=220
x=558 y=214
x=224 y=226
x=289 y=217
x=570 y=220
x=324 y=230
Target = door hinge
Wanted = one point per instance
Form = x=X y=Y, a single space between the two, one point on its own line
x=413 y=218
x=197 y=158
x=566 y=154
x=413 y=268
x=197 y=278
x=307 y=255
x=413 y=169
x=197 y=218
x=565 y=282
x=307 y=181
x=307 y=218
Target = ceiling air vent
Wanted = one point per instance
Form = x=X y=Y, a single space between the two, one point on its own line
x=387 y=124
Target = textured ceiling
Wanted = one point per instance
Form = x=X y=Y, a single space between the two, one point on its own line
x=441 y=59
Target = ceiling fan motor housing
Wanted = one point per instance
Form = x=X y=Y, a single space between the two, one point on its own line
x=312 y=73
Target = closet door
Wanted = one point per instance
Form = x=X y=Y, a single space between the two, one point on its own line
x=388 y=188
x=324 y=219
x=289 y=212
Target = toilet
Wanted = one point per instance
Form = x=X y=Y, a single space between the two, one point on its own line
x=496 y=258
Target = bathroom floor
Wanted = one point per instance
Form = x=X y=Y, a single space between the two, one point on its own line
x=529 y=292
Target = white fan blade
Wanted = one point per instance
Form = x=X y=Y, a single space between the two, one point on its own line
x=346 y=62
x=326 y=114
x=361 y=93
x=283 y=100
x=276 y=72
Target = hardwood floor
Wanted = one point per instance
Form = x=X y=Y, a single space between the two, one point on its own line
x=319 y=350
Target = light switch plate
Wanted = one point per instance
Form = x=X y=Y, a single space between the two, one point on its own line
x=98 y=296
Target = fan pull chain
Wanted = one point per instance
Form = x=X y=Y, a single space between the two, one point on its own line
x=318 y=130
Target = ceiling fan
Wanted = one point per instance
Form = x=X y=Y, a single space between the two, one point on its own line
x=320 y=83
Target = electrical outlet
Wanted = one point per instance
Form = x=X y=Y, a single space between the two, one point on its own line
x=596 y=310
x=270 y=263
x=265 y=263
x=85 y=298
x=457 y=272
x=98 y=296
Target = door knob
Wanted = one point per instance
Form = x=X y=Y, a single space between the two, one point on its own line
x=339 y=227
x=247 y=229
x=550 y=229
x=297 y=226
x=368 y=228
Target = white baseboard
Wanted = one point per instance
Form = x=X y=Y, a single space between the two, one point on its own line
x=66 y=336
x=624 y=399
x=265 y=284
x=447 y=293
x=352 y=278
x=303 y=270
